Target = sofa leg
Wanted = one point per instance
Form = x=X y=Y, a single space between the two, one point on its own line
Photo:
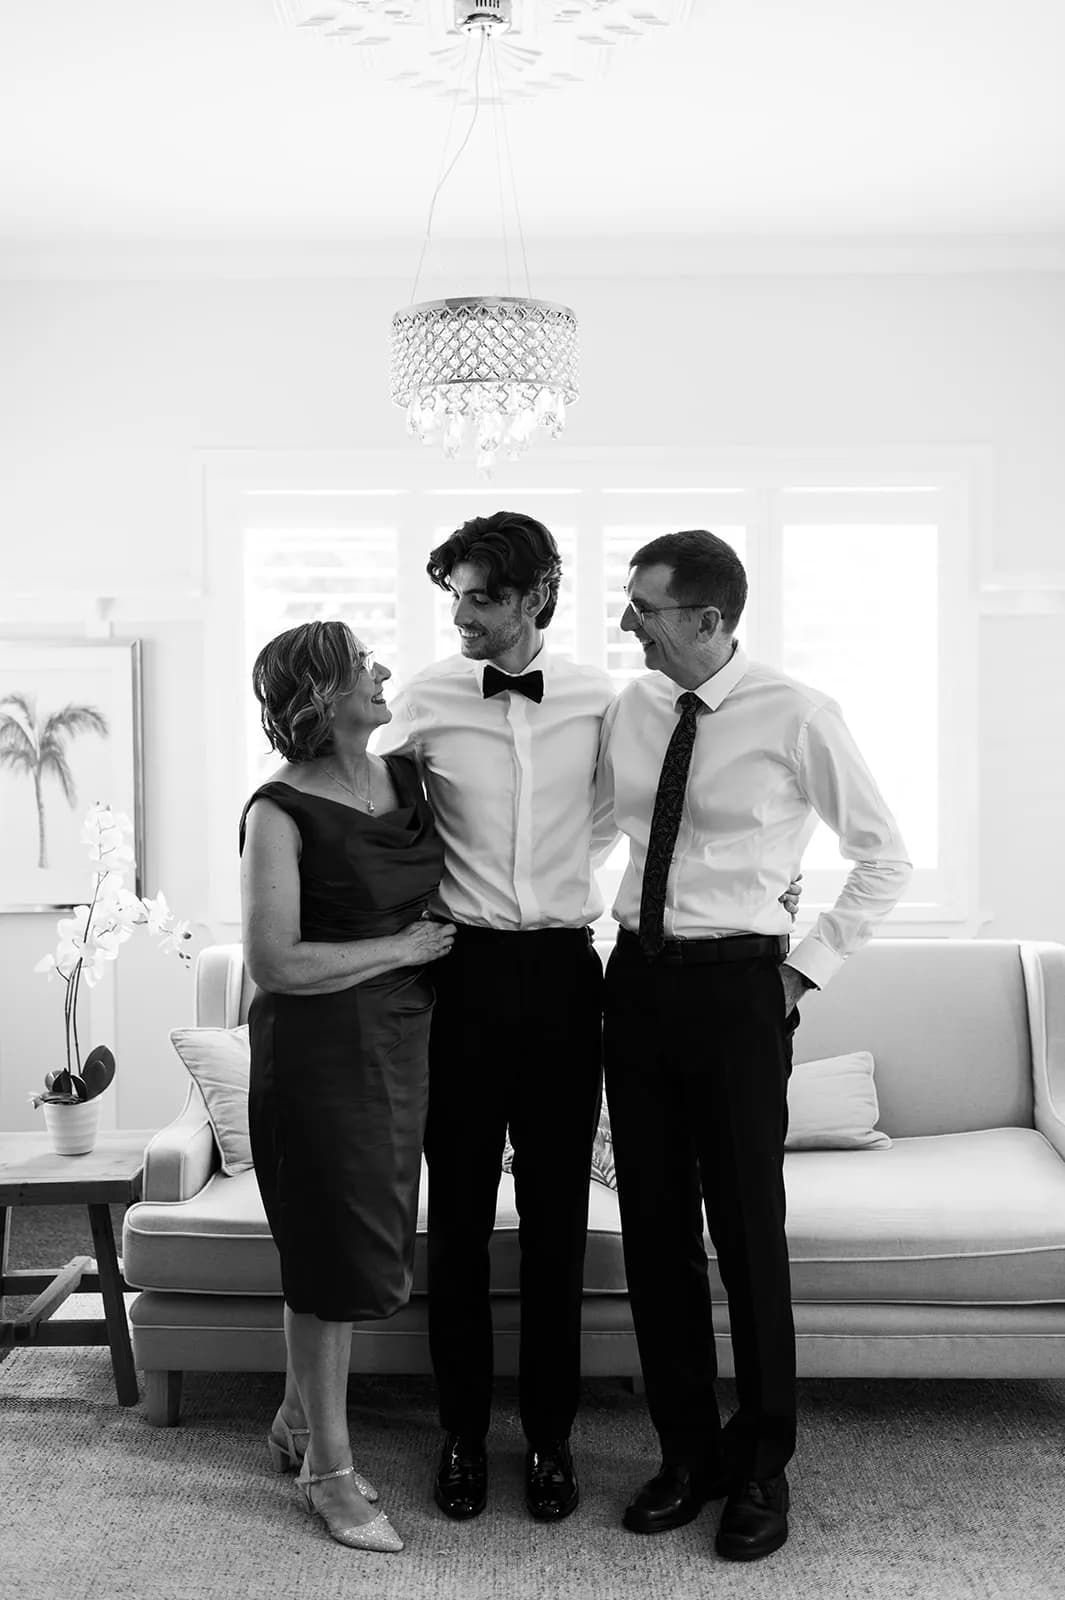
x=162 y=1397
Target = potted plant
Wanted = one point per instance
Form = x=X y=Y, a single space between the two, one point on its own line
x=88 y=939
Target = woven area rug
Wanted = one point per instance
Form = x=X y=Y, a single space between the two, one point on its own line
x=928 y=1489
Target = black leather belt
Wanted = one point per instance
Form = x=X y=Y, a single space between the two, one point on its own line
x=729 y=947
x=469 y=930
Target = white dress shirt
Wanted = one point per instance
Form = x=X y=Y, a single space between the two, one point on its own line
x=512 y=785
x=770 y=757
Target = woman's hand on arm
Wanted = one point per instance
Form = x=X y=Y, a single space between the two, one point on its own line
x=424 y=941
x=275 y=955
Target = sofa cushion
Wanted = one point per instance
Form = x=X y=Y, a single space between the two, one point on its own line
x=832 y=1105
x=218 y=1242
x=960 y=1218
x=219 y=1061
x=966 y=1219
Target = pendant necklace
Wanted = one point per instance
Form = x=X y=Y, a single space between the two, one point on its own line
x=365 y=800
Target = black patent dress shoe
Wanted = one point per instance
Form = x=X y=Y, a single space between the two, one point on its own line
x=675 y=1495
x=461 y=1486
x=755 y=1520
x=551 y=1489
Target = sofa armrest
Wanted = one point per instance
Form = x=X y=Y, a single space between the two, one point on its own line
x=181 y=1157
x=1043 y=965
x=223 y=987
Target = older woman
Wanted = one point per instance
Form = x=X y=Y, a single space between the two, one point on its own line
x=340 y=857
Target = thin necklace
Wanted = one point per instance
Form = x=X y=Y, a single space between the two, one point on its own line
x=366 y=799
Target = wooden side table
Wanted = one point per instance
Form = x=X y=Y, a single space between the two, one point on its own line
x=31 y=1174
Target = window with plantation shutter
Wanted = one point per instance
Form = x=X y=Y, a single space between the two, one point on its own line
x=858 y=578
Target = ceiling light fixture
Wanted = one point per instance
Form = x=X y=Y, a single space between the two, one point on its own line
x=484 y=369
x=550 y=44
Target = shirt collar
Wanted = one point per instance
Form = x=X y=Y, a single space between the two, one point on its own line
x=720 y=685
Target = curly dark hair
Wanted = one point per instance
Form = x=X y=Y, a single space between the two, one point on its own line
x=516 y=551
x=296 y=678
x=706 y=571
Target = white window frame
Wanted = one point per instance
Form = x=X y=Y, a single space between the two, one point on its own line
x=738 y=486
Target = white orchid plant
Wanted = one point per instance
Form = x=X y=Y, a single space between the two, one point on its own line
x=91 y=937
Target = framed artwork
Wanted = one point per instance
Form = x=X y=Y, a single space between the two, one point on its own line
x=70 y=736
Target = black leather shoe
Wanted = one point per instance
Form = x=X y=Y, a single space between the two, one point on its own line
x=755 y=1520
x=551 y=1489
x=461 y=1487
x=675 y=1495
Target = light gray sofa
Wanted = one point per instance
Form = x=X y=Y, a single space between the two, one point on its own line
x=941 y=1256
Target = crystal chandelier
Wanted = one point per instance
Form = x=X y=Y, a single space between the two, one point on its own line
x=488 y=370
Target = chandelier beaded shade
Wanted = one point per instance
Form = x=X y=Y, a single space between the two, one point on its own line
x=489 y=369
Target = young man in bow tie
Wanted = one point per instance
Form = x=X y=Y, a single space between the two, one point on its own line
x=506 y=737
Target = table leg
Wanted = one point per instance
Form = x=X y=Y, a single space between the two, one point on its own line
x=103 y=1240
x=5 y=1236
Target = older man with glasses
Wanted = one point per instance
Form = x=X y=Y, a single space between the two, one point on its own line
x=717 y=768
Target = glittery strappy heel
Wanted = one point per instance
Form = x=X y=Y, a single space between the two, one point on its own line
x=288 y=1446
x=376 y=1535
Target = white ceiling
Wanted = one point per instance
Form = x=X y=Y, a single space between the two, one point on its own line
x=208 y=124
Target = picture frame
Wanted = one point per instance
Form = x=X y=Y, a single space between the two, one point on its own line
x=71 y=735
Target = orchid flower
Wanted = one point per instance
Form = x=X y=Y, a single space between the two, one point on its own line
x=91 y=937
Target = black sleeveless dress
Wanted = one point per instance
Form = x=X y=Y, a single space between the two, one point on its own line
x=337 y=1096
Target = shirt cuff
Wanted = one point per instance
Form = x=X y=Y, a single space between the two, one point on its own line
x=813 y=958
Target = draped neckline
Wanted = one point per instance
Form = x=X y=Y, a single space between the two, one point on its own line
x=375 y=817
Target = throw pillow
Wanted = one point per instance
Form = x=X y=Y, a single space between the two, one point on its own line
x=602 y=1152
x=219 y=1060
x=832 y=1105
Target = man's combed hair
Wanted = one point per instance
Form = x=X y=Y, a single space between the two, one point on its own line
x=516 y=551
x=706 y=571
x=297 y=678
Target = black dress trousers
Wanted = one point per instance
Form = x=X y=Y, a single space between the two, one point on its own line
x=697 y=1062
x=516 y=1039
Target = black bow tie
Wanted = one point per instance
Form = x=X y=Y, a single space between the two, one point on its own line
x=530 y=684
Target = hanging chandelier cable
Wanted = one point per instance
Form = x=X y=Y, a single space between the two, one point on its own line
x=497 y=118
x=494 y=65
x=445 y=174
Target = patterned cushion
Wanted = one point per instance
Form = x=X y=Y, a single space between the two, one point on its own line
x=602 y=1152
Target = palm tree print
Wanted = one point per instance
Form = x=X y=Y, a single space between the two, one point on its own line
x=37 y=747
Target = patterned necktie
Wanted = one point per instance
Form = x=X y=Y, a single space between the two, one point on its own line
x=665 y=821
x=530 y=684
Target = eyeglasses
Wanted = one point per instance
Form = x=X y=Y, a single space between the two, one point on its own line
x=641 y=611
x=367 y=660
